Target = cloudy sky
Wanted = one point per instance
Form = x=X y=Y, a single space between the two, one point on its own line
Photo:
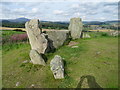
x=60 y=10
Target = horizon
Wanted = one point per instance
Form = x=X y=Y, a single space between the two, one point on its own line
x=62 y=11
x=60 y=20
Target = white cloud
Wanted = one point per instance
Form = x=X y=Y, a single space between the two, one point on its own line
x=61 y=11
x=58 y=12
x=34 y=10
x=66 y=14
x=59 y=0
x=75 y=6
x=83 y=17
x=115 y=15
x=77 y=14
x=102 y=18
x=91 y=12
x=19 y=10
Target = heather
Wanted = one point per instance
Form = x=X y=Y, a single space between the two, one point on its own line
x=13 y=37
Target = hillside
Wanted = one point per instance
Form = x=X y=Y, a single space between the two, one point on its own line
x=95 y=59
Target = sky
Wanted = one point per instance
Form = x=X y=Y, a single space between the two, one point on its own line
x=61 y=10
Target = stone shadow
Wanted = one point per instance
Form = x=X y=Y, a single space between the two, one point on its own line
x=50 y=47
x=44 y=57
x=81 y=34
x=90 y=81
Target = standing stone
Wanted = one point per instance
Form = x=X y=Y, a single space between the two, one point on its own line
x=57 y=67
x=114 y=33
x=75 y=27
x=85 y=35
x=37 y=39
x=58 y=37
x=36 y=58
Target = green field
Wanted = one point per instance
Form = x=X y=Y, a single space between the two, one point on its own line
x=96 y=59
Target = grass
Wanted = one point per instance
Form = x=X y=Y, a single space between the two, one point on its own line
x=7 y=33
x=79 y=62
x=98 y=34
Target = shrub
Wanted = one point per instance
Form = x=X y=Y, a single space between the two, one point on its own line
x=19 y=30
x=104 y=34
x=18 y=37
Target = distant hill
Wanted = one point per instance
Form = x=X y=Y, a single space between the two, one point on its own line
x=5 y=21
x=20 y=23
x=93 y=22
x=100 y=23
x=18 y=20
x=113 y=22
x=23 y=20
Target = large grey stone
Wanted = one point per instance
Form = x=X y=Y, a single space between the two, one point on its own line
x=37 y=39
x=57 y=67
x=58 y=37
x=75 y=27
x=36 y=58
x=114 y=33
x=85 y=35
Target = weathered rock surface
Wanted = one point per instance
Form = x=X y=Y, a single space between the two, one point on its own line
x=57 y=67
x=36 y=58
x=57 y=37
x=75 y=27
x=85 y=35
x=37 y=39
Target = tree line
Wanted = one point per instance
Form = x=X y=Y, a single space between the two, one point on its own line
x=55 y=25
x=46 y=25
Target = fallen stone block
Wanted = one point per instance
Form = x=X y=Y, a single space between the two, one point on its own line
x=36 y=58
x=57 y=67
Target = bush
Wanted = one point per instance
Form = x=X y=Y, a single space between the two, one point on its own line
x=18 y=37
x=104 y=34
x=19 y=30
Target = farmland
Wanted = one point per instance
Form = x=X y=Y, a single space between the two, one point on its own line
x=23 y=29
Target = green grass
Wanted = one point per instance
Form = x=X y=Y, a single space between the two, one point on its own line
x=98 y=34
x=79 y=62
x=7 y=33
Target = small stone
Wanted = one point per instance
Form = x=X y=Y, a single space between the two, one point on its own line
x=17 y=84
x=32 y=85
x=57 y=67
x=85 y=35
x=74 y=47
x=114 y=33
x=97 y=53
x=26 y=61
x=72 y=43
